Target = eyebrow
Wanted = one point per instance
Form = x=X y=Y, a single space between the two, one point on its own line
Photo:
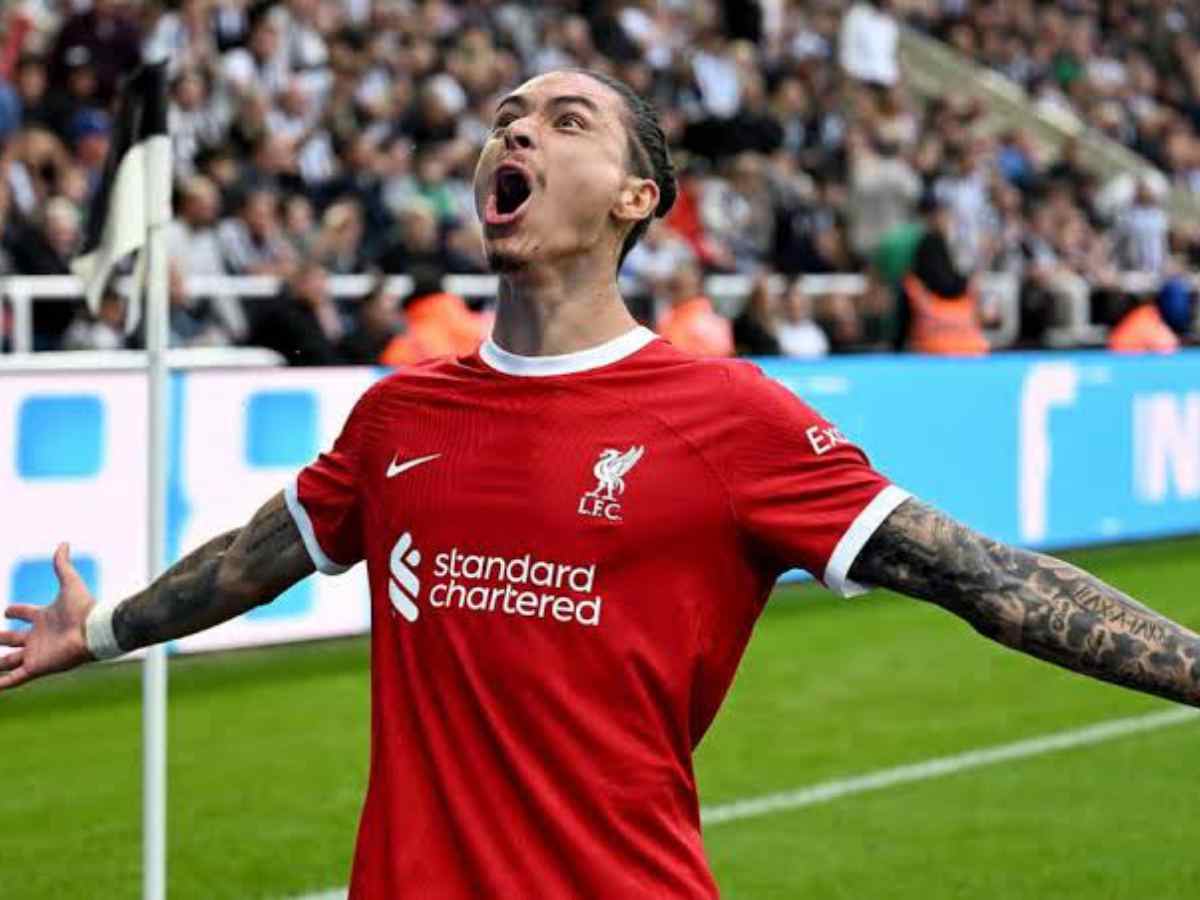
x=561 y=100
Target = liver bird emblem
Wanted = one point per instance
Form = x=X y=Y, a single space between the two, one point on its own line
x=610 y=471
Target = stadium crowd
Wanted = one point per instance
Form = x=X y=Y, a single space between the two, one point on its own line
x=319 y=137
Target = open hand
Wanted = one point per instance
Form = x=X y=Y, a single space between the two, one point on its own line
x=56 y=640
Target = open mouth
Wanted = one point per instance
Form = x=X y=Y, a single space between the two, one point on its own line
x=510 y=194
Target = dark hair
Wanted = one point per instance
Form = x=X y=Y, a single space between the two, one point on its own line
x=648 y=152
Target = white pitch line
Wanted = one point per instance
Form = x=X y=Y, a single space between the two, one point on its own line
x=826 y=791
x=939 y=767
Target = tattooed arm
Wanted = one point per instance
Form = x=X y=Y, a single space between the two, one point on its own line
x=1031 y=602
x=229 y=575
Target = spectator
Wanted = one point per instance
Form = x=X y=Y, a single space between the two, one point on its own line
x=195 y=246
x=1141 y=233
x=195 y=121
x=867 y=45
x=692 y=324
x=964 y=189
x=738 y=211
x=192 y=237
x=104 y=331
x=437 y=323
x=185 y=37
x=89 y=133
x=338 y=246
x=883 y=191
x=108 y=35
x=261 y=65
x=650 y=263
x=799 y=336
x=416 y=241
x=299 y=224
x=45 y=247
x=755 y=328
x=376 y=323
x=192 y=322
x=32 y=86
x=78 y=90
x=943 y=314
x=1143 y=330
x=252 y=242
x=302 y=323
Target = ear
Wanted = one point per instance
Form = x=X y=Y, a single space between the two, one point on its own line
x=637 y=200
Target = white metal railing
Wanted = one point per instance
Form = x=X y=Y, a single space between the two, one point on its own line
x=20 y=292
x=108 y=360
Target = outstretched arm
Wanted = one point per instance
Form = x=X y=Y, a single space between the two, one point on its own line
x=227 y=576
x=1031 y=602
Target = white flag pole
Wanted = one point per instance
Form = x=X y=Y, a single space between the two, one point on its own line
x=154 y=672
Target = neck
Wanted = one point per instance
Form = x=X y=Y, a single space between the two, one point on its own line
x=548 y=312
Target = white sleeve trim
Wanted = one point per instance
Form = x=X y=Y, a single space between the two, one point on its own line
x=300 y=516
x=837 y=570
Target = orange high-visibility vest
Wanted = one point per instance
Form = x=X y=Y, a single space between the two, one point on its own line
x=1143 y=331
x=695 y=327
x=438 y=325
x=945 y=327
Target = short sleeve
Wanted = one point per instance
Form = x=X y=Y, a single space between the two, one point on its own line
x=802 y=492
x=325 y=500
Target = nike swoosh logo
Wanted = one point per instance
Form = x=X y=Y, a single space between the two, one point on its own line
x=395 y=468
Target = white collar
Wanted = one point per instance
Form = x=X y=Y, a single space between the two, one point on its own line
x=566 y=363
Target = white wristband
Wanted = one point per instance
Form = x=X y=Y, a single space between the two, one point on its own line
x=101 y=642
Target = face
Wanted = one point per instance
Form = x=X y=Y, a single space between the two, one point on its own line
x=552 y=181
x=260 y=212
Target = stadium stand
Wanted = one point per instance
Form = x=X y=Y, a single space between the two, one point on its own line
x=806 y=135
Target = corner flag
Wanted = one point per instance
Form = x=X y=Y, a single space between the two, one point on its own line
x=134 y=194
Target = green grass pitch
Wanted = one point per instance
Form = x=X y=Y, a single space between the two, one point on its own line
x=268 y=754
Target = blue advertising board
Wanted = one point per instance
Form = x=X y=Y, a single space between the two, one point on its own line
x=1043 y=450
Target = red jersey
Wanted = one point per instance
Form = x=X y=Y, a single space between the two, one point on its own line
x=566 y=557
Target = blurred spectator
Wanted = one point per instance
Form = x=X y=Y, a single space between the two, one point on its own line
x=261 y=65
x=302 y=323
x=45 y=246
x=868 y=43
x=416 y=241
x=299 y=224
x=799 y=336
x=883 y=191
x=192 y=234
x=32 y=87
x=195 y=247
x=1142 y=330
x=686 y=219
x=1141 y=233
x=252 y=242
x=651 y=262
x=437 y=323
x=196 y=121
x=942 y=308
x=338 y=246
x=192 y=322
x=754 y=329
x=376 y=323
x=738 y=212
x=104 y=331
x=89 y=133
x=108 y=34
x=963 y=188
x=185 y=35
x=692 y=324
